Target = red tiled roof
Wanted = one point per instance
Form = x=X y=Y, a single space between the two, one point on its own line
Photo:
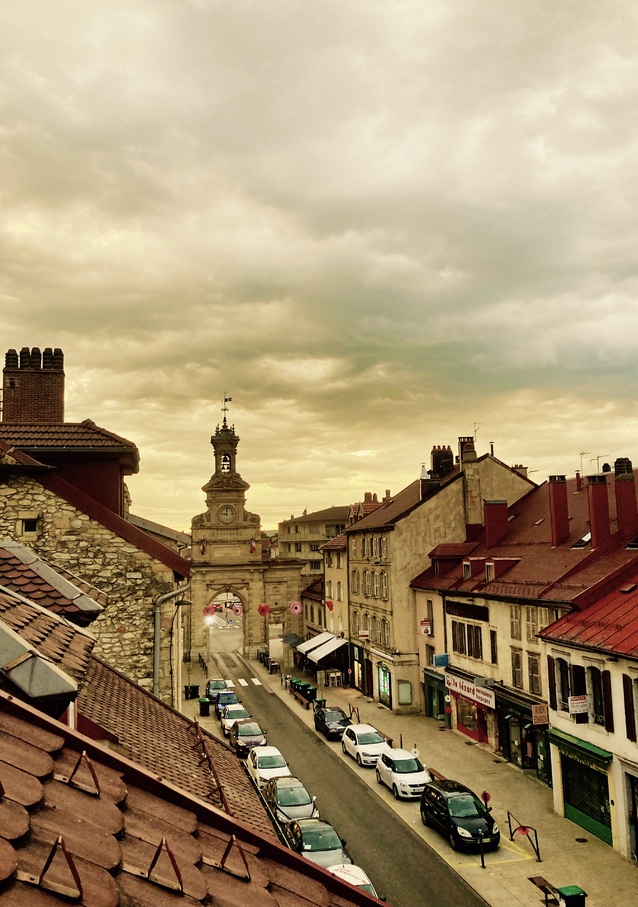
x=314 y=590
x=453 y=549
x=540 y=570
x=337 y=514
x=54 y=588
x=131 y=836
x=338 y=543
x=58 y=436
x=610 y=625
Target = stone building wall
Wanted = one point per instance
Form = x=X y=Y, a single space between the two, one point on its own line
x=131 y=578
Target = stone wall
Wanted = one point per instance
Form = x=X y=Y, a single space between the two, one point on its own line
x=131 y=578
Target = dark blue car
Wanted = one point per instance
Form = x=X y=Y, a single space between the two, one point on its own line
x=331 y=721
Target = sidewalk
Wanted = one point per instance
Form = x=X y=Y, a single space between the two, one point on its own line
x=569 y=855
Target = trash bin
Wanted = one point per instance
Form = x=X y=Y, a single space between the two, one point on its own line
x=204 y=706
x=571 y=896
x=310 y=693
x=319 y=704
x=191 y=691
x=273 y=667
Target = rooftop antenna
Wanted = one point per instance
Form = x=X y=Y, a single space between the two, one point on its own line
x=598 y=459
x=584 y=453
x=477 y=425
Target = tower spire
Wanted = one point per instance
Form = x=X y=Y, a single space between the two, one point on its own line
x=225 y=400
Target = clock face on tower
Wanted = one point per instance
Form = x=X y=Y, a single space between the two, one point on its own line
x=226 y=514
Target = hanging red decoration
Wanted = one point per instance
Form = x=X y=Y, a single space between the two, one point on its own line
x=264 y=609
x=238 y=610
x=296 y=607
x=329 y=605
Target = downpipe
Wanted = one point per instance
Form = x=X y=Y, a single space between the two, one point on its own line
x=159 y=601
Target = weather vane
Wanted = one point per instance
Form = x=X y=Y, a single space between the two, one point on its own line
x=225 y=400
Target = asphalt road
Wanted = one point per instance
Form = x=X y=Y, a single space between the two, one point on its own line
x=402 y=867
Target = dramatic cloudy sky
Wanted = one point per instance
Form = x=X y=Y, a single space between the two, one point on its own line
x=376 y=225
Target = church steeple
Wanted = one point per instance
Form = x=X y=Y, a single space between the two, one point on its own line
x=225 y=443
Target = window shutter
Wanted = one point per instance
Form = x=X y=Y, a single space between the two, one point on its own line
x=551 y=683
x=579 y=686
x=608 y=707
x=630 y=712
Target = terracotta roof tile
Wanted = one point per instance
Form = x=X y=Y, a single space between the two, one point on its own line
x=34 y=437
x=132 y=837
x=23 y=571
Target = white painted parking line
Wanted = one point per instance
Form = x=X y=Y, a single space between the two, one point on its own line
x=243 y=682
x=256 y=681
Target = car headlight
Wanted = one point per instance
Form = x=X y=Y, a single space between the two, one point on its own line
x=464 y=833
x=495 y=829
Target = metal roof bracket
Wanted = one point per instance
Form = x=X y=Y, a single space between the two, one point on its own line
x=175 y=884
x=233 y=843
x=72 y=892
x=93 y=789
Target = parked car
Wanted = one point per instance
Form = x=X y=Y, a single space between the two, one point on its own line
x=244 y=735
x=230 y=715
x=266 y=762
x=288 y=799
x=224 y=698
x=355 y=875
x=459 y=814
x=364 y=743
x=402 y=772
x=316 y=840
x=213 y=687
x=331 y=721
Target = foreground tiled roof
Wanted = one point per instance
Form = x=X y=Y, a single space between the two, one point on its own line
x=167 y=743
x=55 y=588
x=81 y=824
x=53 y=637
x=76 y=436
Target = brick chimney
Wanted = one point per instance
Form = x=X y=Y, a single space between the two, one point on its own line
x=472 y=487
x=558 y=509
x=33 y=386
x=496 y=521
x=441 y=460
x=625 y=490
x=598 y=509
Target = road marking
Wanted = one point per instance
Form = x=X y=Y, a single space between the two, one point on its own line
x=243 y=682
x=256 y=681
x=230 y=684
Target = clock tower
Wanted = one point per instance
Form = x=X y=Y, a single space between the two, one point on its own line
x=227 y=556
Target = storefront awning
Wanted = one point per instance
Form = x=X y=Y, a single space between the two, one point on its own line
x=315 y=641
x=331 y=646
x=292 y=639
x=579 y=749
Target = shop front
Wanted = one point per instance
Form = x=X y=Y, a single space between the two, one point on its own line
x=522 y=732
x=472 y=708
x=434 y=693
x=384 y=679
x=584 y=770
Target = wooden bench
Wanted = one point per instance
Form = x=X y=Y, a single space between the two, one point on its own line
x=302 y=699
x=551 y=894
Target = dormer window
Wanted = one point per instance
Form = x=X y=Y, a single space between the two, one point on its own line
x=489 y=572
x=467 y=570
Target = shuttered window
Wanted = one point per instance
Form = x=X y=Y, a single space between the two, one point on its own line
x=630 y=712
x=551 y=682
x=579 y=686
x=608 y=708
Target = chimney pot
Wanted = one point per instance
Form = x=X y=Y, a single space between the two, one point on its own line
x=598 y=509
x=558 y=509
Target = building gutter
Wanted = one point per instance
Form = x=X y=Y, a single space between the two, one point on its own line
x=159 y=601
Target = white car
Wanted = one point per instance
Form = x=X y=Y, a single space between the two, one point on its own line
x=402 y=772
x=364 y=743
x=230 y=715
x=265 y=762
x=355 y=875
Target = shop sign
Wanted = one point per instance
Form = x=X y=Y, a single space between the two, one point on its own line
x=577 y=705
x=540 y=714
x=481 y=695
x=426 y=628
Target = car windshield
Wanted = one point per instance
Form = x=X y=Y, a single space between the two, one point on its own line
x=324 y=838
x=293 y=796
x=235 y=714
x=333 y=715
x=407 y=766
x=464 y=805
x=271 y=762
x=251 y=729
x=227 y=697
x=370 y=737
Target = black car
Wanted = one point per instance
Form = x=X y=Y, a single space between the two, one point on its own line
x=288 y=799
x=246 y=734
x=317 y=841
x=214 y=686
x=331 y=721
x=224 y=698
x=459 y=814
